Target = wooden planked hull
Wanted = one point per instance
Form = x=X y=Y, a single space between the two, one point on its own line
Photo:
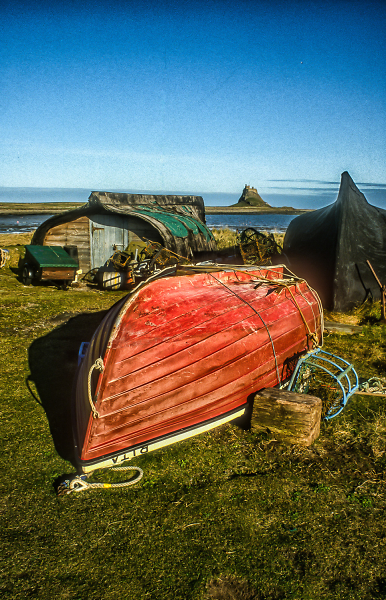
x=183 y=354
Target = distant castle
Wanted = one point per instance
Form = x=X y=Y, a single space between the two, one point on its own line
x=249 y=188
x=250 y=197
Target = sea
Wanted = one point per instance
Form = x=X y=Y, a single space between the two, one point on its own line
x=267 y=223
x=302 y=194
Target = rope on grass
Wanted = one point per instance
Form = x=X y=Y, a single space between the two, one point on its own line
x=79 y=483
x=4 y=256
x=374 y=385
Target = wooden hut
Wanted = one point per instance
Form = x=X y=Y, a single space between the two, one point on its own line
x=113 y=221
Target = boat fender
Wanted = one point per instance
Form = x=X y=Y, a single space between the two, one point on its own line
x=79 y=483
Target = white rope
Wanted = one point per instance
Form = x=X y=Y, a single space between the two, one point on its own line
x=374 y=385
x=4 y=256
x=98 y=364
x=79 y=483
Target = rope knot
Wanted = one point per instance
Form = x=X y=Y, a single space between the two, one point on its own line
x=99 y=365
x=313 y=339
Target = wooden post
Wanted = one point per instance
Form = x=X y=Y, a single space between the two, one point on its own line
x=383 y=292
x=291 y=417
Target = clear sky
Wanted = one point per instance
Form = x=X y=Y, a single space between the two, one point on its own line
x=191 y=96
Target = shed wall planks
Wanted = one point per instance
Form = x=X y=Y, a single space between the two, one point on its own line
x=73 y=233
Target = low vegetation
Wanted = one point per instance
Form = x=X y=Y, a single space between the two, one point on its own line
x=228 y=237
x=230 y=514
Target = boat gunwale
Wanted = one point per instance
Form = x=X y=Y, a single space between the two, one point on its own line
x=138 y=446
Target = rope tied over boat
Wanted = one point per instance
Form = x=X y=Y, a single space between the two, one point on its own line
x=261 y=318
x=311 y=335
x=98 y=364
x=79 y=483
x=293 y=280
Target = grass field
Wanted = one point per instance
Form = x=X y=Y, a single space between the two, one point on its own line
x=228 y=515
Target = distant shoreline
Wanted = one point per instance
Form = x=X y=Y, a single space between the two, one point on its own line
x=18 y=209
x=272 y=210
x=50 y=208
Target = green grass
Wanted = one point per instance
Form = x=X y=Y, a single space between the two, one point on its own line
x=230 y=514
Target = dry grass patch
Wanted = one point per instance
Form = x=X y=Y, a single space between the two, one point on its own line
x=230 y=588
x=15 y=239
x=346 y=318
x=225 y=238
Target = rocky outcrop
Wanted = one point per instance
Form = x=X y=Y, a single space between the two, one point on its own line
x=251 y=197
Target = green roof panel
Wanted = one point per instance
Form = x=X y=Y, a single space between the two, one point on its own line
x=177 y=224
x=50 y=256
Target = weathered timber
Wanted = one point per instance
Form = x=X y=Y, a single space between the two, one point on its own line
x=333 y=327
x=294 y=418
x=112 y=221
x=73 y=233
x=57 y=273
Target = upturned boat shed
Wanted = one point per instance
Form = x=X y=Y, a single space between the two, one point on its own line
x=112 y=221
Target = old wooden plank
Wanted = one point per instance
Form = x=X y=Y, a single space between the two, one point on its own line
x=73 y=233
x=291 y=417
x=57 y=273
x=334 y=327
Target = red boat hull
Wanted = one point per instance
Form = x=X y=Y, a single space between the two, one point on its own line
x=183 y=354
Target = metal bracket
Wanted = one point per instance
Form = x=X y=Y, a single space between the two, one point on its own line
x=340 y=371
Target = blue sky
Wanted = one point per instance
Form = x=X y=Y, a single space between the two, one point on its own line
x=192 y=96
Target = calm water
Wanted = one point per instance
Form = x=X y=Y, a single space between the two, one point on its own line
x=296 y=194
x=278 y=223
x=12 y=224
x=299 y=197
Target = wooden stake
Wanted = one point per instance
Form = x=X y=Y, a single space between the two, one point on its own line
x=383 y=292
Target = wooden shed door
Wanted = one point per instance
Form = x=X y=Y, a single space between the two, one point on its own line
x=107 y=231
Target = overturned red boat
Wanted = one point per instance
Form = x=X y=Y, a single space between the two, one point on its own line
x=181 y=355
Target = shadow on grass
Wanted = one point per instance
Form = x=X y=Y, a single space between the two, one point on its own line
x=53 y=363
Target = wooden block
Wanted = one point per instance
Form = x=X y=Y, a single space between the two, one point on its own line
x=291 y=417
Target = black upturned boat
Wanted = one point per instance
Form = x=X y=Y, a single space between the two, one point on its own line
x=330 y=248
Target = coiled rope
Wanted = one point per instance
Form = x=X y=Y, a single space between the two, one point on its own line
x=373 y=386
x=4 y=256
x=79 y=483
